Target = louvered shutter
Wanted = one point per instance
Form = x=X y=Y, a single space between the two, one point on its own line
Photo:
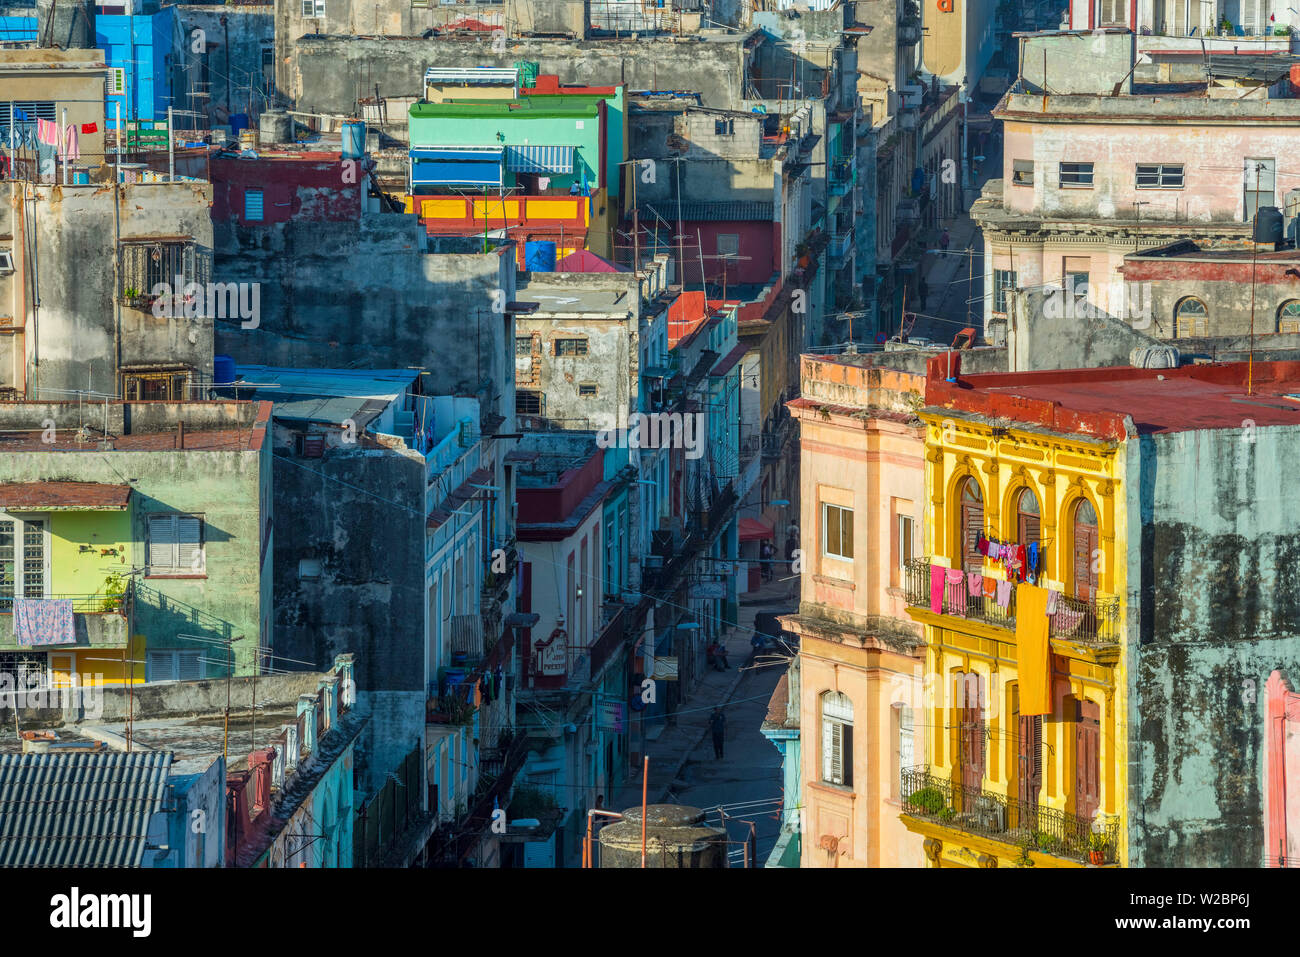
x=160 y=666
x=846 y=755
x=189 y=544
x=162 y=541
x=189 y=667
x=972 y=528
x=906 y=738
x=830 y=752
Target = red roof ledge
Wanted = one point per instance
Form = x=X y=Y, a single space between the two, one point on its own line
x=53 y=496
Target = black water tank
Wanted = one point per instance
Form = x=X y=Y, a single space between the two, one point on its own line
x=1268 y=225
x=676 y=838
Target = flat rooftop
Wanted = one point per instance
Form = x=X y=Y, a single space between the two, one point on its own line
x=323 y=395
x=555 y=297
x=1096 y=401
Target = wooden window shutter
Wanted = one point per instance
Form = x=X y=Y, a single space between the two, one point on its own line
x=162 y=541
x=830 y=752
x=845 y=755
x=189 y=545
x=973 y=527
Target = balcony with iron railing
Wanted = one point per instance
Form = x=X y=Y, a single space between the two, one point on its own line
x=1032 y=827
x=774 y=439
x=1091 y=622
x=97 y=620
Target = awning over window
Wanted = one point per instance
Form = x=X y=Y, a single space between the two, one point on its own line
x=456 y=167
x=755 y=530
x=540 y=159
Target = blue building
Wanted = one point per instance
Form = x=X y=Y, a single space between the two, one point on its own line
x=140 y=49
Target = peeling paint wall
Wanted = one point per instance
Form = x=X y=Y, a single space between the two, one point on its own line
x=1219 y=599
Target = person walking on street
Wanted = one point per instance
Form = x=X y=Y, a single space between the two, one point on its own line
x=718 y=725
x=791 y=546
x=766 y=554
x=944 y=240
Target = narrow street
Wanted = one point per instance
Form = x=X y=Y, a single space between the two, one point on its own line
x=746 y=782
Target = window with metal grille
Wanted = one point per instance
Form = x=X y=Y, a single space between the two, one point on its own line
x=728 y=244
x=1076 y=175
x=24 y=670
x=145 y=265
x=1022 y=172
x=1288 y=316
x=22 y=116
x=1191 y=319
x=1159 y=175
x=837 y=531
x=23 y=559
x=523 y=345
x=837 y=739
x=528 y=402
x=1004 y=280
x=570 y=347
x=588 y=390
x=176 y=544
x=156 y=386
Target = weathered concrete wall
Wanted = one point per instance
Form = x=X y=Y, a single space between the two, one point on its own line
x=1081 y=62
x=1217 y=583
x=1050 y=330
x=72 y=336
x=323 y=72
x=233 y=39
x=367 y=291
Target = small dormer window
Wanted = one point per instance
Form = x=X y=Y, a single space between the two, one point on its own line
x=724 y=127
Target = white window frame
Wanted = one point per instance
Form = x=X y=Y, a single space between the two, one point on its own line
x=1078 y=174
x=20 y=520
x=1163 y=173
x=316 y=8
x=906 y=523
x=178 y=565
x=826 y=549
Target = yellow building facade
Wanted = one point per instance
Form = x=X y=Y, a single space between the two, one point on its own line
x=998 y=788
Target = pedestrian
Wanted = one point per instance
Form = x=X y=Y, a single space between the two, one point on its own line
x=944 y=240
x=791 y=546
x=766 y=554
x=718 y=725
x=720 y=655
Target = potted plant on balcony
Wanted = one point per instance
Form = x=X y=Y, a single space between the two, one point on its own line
x=114 y=589
x=1097 y=847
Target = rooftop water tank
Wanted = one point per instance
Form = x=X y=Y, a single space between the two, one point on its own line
x=223 y=370
x=1268 y=225
x=675 y=837
x=275 y=126
x=354 y=139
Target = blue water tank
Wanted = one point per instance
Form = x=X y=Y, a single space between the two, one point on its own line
x=354 y=139
x=80 y=177
x=223 y=370
x=539 y=256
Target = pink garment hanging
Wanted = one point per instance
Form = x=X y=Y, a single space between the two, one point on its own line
x=936 y=588
x=47 y=131
x=954 y=595
x=71 y=145
x=1053 y=597
x=1004 y=594
x=975 y=585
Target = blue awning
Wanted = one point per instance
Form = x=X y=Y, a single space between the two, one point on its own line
x=540 y=159
x=456 y=167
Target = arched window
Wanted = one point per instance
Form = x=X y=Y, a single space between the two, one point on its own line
x=1087 y=573
x=837 y=739
x=1027 y=518
x=972 y=524
x=1191 y=318
x=1288 y=316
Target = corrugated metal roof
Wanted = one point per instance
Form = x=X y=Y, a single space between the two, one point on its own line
x=64 y=495
x=79 y=810
x=712 y=212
